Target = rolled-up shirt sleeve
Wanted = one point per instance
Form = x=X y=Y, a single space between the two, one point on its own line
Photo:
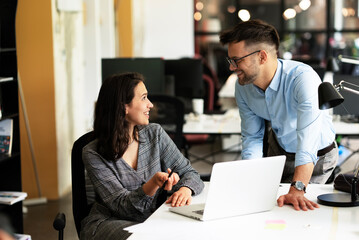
x=309 y=119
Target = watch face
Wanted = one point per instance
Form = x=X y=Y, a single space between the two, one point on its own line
x=299 y=185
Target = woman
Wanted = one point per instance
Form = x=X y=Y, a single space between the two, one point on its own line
x=130 y=161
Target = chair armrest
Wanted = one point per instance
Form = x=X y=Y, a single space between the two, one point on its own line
x=60 y=221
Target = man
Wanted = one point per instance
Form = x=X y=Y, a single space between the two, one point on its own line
x=285 y=93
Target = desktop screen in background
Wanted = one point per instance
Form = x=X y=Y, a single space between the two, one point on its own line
x=151 y=68
x=187 y=73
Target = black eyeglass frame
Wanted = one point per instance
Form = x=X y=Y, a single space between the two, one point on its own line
x=234 y=61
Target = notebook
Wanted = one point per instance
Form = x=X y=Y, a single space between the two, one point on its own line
x=238 y=188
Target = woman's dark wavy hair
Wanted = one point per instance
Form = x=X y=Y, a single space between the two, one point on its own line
x=110 y=124
x=252 y=32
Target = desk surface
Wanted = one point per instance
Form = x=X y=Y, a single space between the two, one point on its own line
x=279 y=223
x=230 y=123
x=344 y=128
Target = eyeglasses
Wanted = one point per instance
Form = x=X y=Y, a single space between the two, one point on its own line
x=234 y=61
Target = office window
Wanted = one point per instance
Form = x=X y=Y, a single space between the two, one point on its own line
x=344 y=15
x=260 y=9
x=304 y=15
x=345 y=43
x=310 y=30
x=307 y=47
x=212 y=16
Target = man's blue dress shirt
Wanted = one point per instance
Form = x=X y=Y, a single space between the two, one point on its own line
x=290 y=103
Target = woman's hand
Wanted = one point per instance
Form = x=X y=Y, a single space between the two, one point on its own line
x=180 y=198
x=172 y=179
x=158 y=180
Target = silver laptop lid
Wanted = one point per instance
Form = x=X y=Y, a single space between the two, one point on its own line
x=243 y=187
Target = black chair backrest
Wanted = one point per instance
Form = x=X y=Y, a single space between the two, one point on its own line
x=80 y=207
x=168 y=111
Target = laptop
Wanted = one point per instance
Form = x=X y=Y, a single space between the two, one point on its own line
x=237 y=188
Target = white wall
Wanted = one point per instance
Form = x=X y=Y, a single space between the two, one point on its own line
x=69 y=82
x=163 y=28
x=92 y=58
x=81 y=39
x=98 y=42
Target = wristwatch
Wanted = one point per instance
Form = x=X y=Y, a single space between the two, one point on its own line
x=298 y=185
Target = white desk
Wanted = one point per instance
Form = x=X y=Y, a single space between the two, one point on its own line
x=344 y=128
x=214 y=124
x=279 y=223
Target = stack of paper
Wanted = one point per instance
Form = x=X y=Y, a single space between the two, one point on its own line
x=10 y=198
x=22 y=236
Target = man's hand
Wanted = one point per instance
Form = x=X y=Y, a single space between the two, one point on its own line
x=297 y=199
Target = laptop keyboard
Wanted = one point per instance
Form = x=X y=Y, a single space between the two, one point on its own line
x=200 y=212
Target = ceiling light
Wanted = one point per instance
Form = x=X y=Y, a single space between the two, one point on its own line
x=244 y=15
x=304 y=4
x=289 y=14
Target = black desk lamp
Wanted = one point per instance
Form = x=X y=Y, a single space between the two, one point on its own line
x=330 y=97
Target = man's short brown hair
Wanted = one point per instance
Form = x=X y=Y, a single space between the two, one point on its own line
x=252 y=32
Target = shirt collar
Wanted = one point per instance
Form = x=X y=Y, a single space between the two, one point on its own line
x=274 y=85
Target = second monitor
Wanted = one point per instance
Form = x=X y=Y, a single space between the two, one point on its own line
x=151 y=68
x=187 y=73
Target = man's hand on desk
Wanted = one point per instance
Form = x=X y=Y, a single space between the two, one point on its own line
x=297 y=199
x=180 y=198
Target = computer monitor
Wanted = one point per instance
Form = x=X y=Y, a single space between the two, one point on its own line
x=349 y=108
x=187 y=73
x=151 y=68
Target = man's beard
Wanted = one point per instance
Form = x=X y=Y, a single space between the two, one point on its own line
x=245 y=79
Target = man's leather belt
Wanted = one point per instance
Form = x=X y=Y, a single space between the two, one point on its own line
x=320 y=153
x=324 y=151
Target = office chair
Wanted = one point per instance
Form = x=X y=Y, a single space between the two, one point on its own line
x=212 y=84
x=210 y=92
x=83 y=194
x=59 y=224
x=82 y=191
x=168 y=111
